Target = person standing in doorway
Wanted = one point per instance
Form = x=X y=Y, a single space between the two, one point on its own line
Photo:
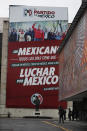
x=37 y=103
x=70 y=114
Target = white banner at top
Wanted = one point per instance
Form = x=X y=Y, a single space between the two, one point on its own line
x=20 y=13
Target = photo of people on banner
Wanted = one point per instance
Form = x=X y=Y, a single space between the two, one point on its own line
x=37 y=31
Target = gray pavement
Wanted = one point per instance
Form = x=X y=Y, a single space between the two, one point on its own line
x=74 y=125
x=36 y=124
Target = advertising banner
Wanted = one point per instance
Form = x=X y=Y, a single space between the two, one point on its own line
x=36 y=13
x=33 y=68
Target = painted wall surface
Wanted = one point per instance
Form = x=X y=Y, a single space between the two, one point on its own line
x=73 y=62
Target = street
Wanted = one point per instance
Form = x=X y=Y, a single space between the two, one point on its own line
x=36 y=124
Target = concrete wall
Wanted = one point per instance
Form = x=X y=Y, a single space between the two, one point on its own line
x=1 y=23
x=16 y=112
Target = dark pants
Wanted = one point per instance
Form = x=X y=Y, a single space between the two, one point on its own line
x=37 y=107
x=61 y=118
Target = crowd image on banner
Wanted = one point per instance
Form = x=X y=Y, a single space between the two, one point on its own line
x=37 y=31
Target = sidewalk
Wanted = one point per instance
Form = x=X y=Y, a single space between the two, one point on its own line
x=75 y=122
x=26 y=123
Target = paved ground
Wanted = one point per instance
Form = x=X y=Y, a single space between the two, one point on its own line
x=73 y=125
x=29 y=124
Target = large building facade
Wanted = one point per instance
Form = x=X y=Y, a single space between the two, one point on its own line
x=73 y=63
x=14 y=112
x=14 y=97
x=1 y=32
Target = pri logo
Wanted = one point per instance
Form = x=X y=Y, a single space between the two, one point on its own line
x=39 y=13
x=27 y=12
x=33 y=98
